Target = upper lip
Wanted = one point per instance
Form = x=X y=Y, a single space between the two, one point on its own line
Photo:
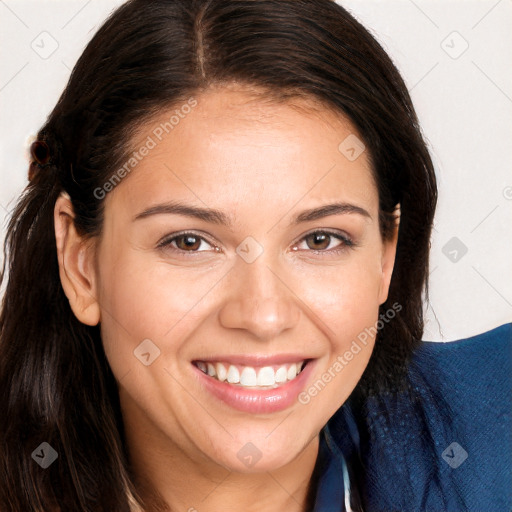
x=255 y=359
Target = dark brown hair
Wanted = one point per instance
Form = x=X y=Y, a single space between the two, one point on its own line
x=55 y=383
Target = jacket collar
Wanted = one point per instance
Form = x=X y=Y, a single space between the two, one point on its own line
x=331 y=463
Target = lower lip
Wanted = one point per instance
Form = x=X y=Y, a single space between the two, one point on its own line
x=257 y=401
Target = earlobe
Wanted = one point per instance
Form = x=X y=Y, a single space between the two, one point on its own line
x=388 y=257
x=76 y=263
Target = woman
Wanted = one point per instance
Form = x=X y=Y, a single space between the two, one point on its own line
x=214 y=297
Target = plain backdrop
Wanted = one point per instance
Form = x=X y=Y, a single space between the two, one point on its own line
x=455 y=57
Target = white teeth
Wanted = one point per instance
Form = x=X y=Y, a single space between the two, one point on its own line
x=221 y=372
x=281 y=374
x=233 y=375
x=266 y=376
x=292 y=371
x=248 y=377
x=211 y=370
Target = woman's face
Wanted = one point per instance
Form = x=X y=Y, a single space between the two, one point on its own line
x=244 y=244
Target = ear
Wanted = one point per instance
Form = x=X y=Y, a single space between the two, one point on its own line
x=76 y=263
x=388 y=257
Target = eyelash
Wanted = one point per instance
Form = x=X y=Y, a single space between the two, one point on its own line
x=346 y=242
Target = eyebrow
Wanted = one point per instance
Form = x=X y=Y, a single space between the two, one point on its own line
x=330 y=209
x=206 y=214
x=217 y=217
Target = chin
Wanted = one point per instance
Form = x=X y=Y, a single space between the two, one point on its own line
x=261 y=452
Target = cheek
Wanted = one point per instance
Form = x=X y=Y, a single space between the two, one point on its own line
x=344 y=297
x=142 y=301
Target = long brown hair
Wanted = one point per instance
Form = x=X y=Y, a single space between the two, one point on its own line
x=55 y=383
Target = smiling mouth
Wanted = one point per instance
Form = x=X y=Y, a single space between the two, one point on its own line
x=251 y=377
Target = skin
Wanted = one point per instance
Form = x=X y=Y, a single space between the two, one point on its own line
x=261 y=163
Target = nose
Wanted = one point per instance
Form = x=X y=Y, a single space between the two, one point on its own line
x=259 y=302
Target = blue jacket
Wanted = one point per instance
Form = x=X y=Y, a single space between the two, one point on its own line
x=446 y=446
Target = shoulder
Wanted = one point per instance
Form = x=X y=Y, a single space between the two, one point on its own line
x=471 y=381
x=489 y=348
x=474 y=374
x=446 y=444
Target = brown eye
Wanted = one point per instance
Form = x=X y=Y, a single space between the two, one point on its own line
x=188 y=242
x=318 y=241
x=324 y=242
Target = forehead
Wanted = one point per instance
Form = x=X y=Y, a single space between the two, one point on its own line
x=237 y=150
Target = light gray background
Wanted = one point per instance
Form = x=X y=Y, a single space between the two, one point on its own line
x=455 y=57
